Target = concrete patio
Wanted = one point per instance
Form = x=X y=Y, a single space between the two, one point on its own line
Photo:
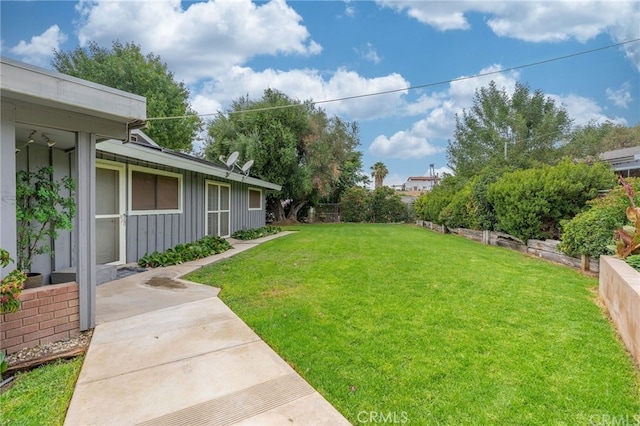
x=169 y=352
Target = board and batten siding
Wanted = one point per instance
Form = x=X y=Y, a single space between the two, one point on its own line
x=159 y=232
x=33 y=157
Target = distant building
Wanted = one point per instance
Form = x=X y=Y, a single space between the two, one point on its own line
x=625 y=162
x=421 y=183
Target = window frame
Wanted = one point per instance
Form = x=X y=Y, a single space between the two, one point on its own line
x=249 y=199
x=134 y=168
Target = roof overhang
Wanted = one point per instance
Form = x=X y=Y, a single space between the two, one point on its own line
x=47 y=98
x=170 y=158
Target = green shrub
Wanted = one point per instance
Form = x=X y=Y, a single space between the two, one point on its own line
x=532 y=203
x=204 y=247
x=634 y=261
x=484 y=211
x=461 y=212
x=429 y=205
x=591 y=231
x=354 y=204
x=252 y=234
x=386 y=206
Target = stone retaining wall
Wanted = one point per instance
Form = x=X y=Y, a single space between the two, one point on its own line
x=545 y=249
x=620 y=292
x=47 y=314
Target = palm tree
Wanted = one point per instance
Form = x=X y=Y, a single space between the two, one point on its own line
x=379 y=172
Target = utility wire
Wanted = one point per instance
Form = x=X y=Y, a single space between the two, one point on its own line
x=421 y=86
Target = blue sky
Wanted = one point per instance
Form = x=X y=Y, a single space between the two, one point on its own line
x=323 y=50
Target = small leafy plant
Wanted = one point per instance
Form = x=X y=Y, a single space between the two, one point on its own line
x=252 y=234
x=11 y=286
x=3 y=364
x=627 y=238
x=41 y=211
x=204 y=247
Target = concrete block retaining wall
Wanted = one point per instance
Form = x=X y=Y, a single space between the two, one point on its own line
x=620 y=292
x=47 y=314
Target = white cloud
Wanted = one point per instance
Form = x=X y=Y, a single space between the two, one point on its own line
x=622 y=96
x=349 y=10
x=39 y=50
x=202 y=39
x=439 y=111
x=440 y=15
x=584 y=110
x=542 y=21
x=369 y=53
x=403 y=145
x=305 y=84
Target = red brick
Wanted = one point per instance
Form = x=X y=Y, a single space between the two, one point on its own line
x=7 y=343
x=52 y=307
x=53 y=323
x=20 y=346
x=38 y=335
x=38 y=318
x=65 y=327
x=21 y=331
x=62 y=313
x=28 y=294
x=63 y=297
x=9 y=325
x=73 y=302
x=22 y=313
x=54 y=338
x=74 y=317
x=59 y=289
x=75 y=332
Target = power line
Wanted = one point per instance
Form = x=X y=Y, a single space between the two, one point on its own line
x=421 y=86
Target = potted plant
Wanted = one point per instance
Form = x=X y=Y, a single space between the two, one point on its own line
x=41 y=211
x=10 y=287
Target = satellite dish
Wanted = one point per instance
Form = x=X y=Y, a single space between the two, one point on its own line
x=221 y=158
x=247 y=166
x=232 y=159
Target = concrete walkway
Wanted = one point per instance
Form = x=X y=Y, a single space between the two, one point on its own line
x=169 y=352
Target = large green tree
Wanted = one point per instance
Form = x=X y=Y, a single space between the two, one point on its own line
x=593 y=139
x=293 y=144
x=518 y=130
x=124 y=67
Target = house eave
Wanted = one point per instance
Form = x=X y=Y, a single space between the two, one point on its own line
x=35 y=91
x=160 y=156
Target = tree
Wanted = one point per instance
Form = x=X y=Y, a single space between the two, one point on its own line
x=593 y=139
x=501 y=130
x=292 y=144
x=124 y=67
x=379 y=172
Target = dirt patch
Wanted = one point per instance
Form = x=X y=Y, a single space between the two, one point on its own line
x=165 y=282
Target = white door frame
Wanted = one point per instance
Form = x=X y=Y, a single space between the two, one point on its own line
x=121 y=169
x=206 y=206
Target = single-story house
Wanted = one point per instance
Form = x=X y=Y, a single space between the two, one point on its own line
x=625 y=162
x=132 y=196
x=421 y=183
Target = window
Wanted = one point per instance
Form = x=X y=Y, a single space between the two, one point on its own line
x=154 y=191
x=255 y=199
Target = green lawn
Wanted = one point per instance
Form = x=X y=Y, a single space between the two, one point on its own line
x=41 y=396
x=434 y=329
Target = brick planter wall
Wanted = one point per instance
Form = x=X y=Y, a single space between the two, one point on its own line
x=47 y=314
